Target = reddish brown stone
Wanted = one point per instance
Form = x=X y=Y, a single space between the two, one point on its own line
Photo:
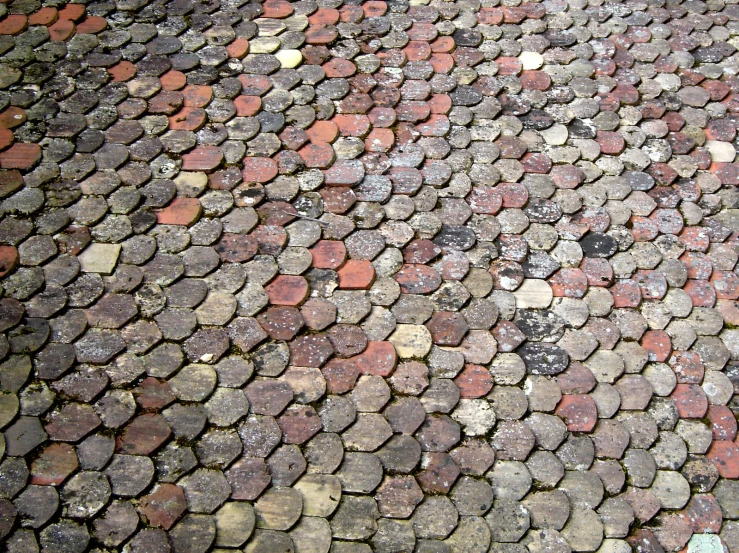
x=347 y=340
x=312 y=350
x=281 y=323
x=236 y=248
x=508 y=336
x=690 y=400
x=318 y=313
x=439 y=473
x=417 y=279
x=92 y=24
x=341 y=375
x=163 y=506
x=248 y=478
x=703 y=514
x=626 y=293
x=268 y=396
x=299 y=424
x=570 y=283
x=53 y=465
x=579 y=412
x=153 y=394
x=173 y=80
x=577 y=379
x=72 y=422
x=144 y=435
x=723 y=422
x=447 y=329
x=323 y=132
x=61 y=31
x=688 y=367
x=474 y=382
x=44 y=16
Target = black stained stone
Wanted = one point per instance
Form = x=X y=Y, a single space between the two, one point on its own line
x=541 y=210
x=596 y=244
x=271 y=122
x=543 y=359
x=465 y=95
x=455 y=237
x=581 y=129
x=467 y=37
x=638 y=180
x=539 y=324
x=537 y=120
x=539 y=264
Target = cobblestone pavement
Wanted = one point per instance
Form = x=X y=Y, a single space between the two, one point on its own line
x=385 y=276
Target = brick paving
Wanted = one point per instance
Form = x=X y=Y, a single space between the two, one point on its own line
x=401 y=276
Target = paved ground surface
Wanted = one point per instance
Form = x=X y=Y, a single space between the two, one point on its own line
x=434 y=277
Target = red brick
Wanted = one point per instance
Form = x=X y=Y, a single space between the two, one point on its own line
x=417 y=279
x=238 y=48
x=703 y=514
x=72 y=12
x=447 y=329
x=277 y=9
x=236 y=248
x=281 y=323
x=92 y=25
x=579 y=412
x=341 y=375
x=20 y=156
x=690 y=400
x=144 y=435
x=328 y=254
x=439 y=473
x=45 y=16
x=321 y=34
x=13 y=24
x=723 y=422
x=352 y=124
x=379 y=140
x=570 y=283
x=8 y=260
x=287 y=290
x=259 y=169
x=356 y=274
x=62 y=30
x=247 y=106
x=122 y=71
x=317 y=155
x=181 y=211
x=248 y=477
x=299 y=424
x=202 y=158
x=474 y=382
x=658 y=345
x=378 y=359
x=173 y=80
x=188 y=119
x=163 y=506
x=53 y=465
x=701 y=292
x=688 y=367
x=323 y=132
x=725 y=455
